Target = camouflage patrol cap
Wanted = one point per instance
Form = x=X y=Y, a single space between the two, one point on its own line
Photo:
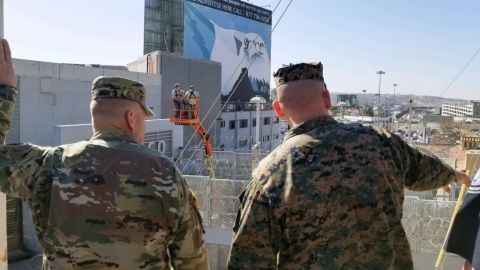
x=117 y=87
x=302 y=71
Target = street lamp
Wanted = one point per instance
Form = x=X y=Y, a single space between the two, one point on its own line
x=394 y=88
x=364 y=103
x=379 y=73
x=256 y=147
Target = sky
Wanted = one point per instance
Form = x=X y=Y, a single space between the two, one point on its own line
x=421 y=45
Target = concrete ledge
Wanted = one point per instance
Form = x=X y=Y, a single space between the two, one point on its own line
x=218 y=236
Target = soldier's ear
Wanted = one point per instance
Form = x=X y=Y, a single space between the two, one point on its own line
x=326 y=99
x=278 y=109
x=130 y=118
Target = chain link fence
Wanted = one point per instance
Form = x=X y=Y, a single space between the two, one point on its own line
x=425 y=221
x=426 y=215
x=226 y=164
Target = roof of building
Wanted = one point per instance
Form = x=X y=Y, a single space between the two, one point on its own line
x=446 y=151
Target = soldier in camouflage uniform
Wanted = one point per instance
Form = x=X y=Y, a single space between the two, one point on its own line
x=105 y=203
x=329 y=197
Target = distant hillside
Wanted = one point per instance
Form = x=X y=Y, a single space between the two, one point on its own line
x=371 y=99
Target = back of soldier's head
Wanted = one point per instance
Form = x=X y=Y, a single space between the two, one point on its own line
x=118 y=93
x=300 y=86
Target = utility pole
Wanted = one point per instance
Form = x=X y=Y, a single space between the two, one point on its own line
x=3 y=198
x=364 y=104
x=394 y=88
x=379 y=73
x=410 y=120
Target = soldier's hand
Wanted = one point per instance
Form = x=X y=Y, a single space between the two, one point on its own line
x=463 y=179
x=7 y=71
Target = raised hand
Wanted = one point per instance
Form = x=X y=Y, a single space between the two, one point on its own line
x=7 y=70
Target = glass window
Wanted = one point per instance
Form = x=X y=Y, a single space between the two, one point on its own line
x=266 y=121
x=243 y=123
x=231 y=124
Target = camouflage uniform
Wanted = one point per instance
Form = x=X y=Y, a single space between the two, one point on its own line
x=330 y=197
x=190 y=103
x=105 y=203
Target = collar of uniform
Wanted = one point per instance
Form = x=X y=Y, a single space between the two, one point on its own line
x=309 y=125
x=113 y=135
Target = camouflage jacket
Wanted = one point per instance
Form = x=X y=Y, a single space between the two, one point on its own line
x=330 y=197
x=105 y=203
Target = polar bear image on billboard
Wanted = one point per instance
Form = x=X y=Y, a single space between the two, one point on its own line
x=236 y=50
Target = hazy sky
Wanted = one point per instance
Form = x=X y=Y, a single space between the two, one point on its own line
x=421 y=44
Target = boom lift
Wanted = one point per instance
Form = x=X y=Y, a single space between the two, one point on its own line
x=191 y=118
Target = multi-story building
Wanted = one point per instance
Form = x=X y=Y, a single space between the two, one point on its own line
x=465 y=109
x=232 y=32
x=238 y=125
x=163 y=29
x=171 y=68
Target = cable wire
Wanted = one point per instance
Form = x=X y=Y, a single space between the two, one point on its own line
x=460 y=73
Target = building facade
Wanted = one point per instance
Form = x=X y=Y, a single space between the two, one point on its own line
x=470 y=142
x=470 y=109
x=234 y=33
x=204 y=75
x=238 y=128
x=163 y=27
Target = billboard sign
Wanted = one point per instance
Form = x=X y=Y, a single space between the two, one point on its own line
x=237 y=35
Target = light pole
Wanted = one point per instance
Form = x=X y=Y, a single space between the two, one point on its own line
x=379 y=73
x=256 y=147
x=394 y=88
x=364 y=103
x=410 y=120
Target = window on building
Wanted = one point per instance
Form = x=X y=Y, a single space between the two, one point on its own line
x=222 y=124
x=275 y=136
x=266 y=121
x=276 y=120
x=231 y=124
x=243 y=123
x=266 y=138
x=254 y=122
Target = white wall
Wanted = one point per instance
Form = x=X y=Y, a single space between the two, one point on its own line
x=230 y=138
x=64 y=134
x=59 y=94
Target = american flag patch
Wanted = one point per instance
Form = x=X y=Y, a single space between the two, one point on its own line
x=475 y=186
